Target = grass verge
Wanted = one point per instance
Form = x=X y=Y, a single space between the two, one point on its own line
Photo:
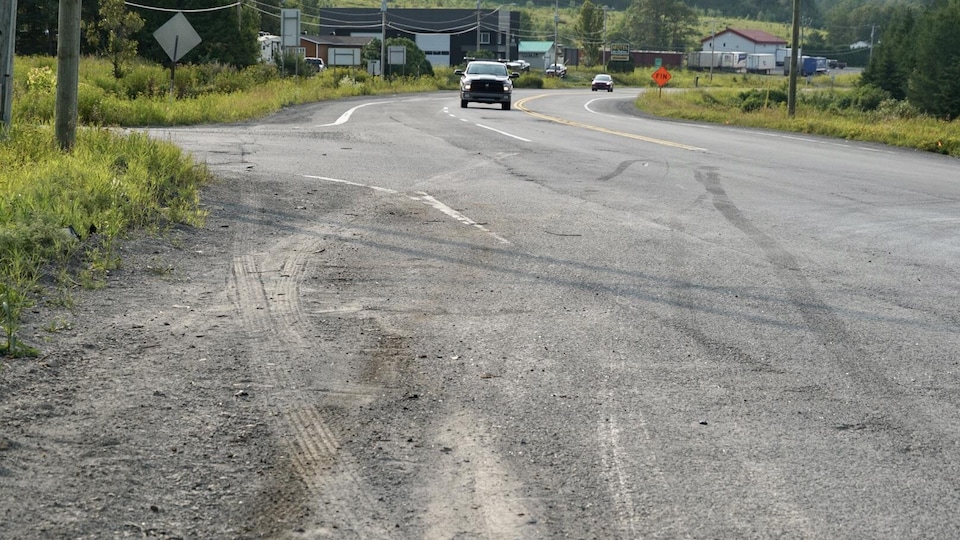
x=61 y=213
x=827 y=106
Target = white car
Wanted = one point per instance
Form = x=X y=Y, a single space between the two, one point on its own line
x=518 y=65
x=557 y=70
x=317 y=63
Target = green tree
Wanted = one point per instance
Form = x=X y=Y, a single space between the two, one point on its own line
x=270 y=25
x=112 y=34
x=370 y=51
x=416 y=60
x=660 y=24
x=37 y=27
x=590 y=29
x=229 y=35
x=893 y=60
x=934 y=85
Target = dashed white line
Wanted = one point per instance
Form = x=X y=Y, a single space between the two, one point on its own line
x=503 y=133
x=422 y=197
x=430 y=201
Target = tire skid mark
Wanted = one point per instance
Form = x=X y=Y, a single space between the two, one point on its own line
x=842 y=348
x=323 y=453
x=616 y=476
x=268 y=301
x=616 y=466
x=479 y=494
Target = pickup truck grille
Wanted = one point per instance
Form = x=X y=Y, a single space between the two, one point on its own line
x=487 y=86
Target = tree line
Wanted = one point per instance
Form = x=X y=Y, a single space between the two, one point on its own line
x=918 y=60
x=229 y=35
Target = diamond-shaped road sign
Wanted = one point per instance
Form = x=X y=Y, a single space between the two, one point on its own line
x=177 y=37
x=661 y=76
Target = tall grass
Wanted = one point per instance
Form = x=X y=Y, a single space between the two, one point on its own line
x=200 y=93
x=61 y=213
x=65 y=210
x=825 y=106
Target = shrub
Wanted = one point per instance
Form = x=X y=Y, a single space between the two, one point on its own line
x=868 y=97
x=895 y=108
x=146 y=81
x=756 y=99
x=528 y=80
x=620 y=66
x=41 y=79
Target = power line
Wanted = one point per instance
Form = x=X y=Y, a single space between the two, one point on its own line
x=175 y=10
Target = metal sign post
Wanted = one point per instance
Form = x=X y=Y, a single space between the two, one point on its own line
x=177 y=37
x=8 y=23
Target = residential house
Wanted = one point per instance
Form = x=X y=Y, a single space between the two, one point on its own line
x=335 y=50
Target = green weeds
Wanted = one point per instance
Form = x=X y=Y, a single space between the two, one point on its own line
x=835 y=107
x=62 y=213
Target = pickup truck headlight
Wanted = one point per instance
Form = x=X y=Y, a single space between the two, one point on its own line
x=506 y=87
x=466 y=85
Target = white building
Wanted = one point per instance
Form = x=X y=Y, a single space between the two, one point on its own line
x=748 y=41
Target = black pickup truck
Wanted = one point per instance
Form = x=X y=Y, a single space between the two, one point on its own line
x=486 y=82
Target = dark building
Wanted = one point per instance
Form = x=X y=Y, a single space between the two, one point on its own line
x=446 y=36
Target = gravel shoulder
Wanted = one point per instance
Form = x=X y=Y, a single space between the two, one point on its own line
x=153 y=410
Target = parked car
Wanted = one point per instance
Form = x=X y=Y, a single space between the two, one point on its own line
x=486 y=82
x=518 y=65
x=317 y=63
x=557 y=70
x=602 y=81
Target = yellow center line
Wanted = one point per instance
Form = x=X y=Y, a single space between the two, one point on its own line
x=520 y=105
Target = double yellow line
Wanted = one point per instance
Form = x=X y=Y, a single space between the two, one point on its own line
x=520 y=105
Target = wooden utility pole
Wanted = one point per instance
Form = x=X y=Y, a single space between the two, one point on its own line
x=794 y=57
x=68 y=73
x=8 y=24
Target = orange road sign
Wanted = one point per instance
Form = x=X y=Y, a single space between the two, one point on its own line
x=662 y=76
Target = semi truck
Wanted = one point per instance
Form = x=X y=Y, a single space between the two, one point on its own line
x=735 y=61
x=702 y=60
x=809 y=65
x=763 y=63
x=782 y=55
x=718 y=60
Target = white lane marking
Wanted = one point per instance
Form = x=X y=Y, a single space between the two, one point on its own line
x=802 y=139
x=346 y=116
x=503 y=133
x=587 y=105
x=349 y=183
x=422 y=197
x=430 y=201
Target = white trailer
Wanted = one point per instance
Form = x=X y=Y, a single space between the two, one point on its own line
x=735 y=61
x=763 y=63
x=783 y=55
x=701 y=60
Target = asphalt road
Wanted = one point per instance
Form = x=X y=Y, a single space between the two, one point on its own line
x=599 y=325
